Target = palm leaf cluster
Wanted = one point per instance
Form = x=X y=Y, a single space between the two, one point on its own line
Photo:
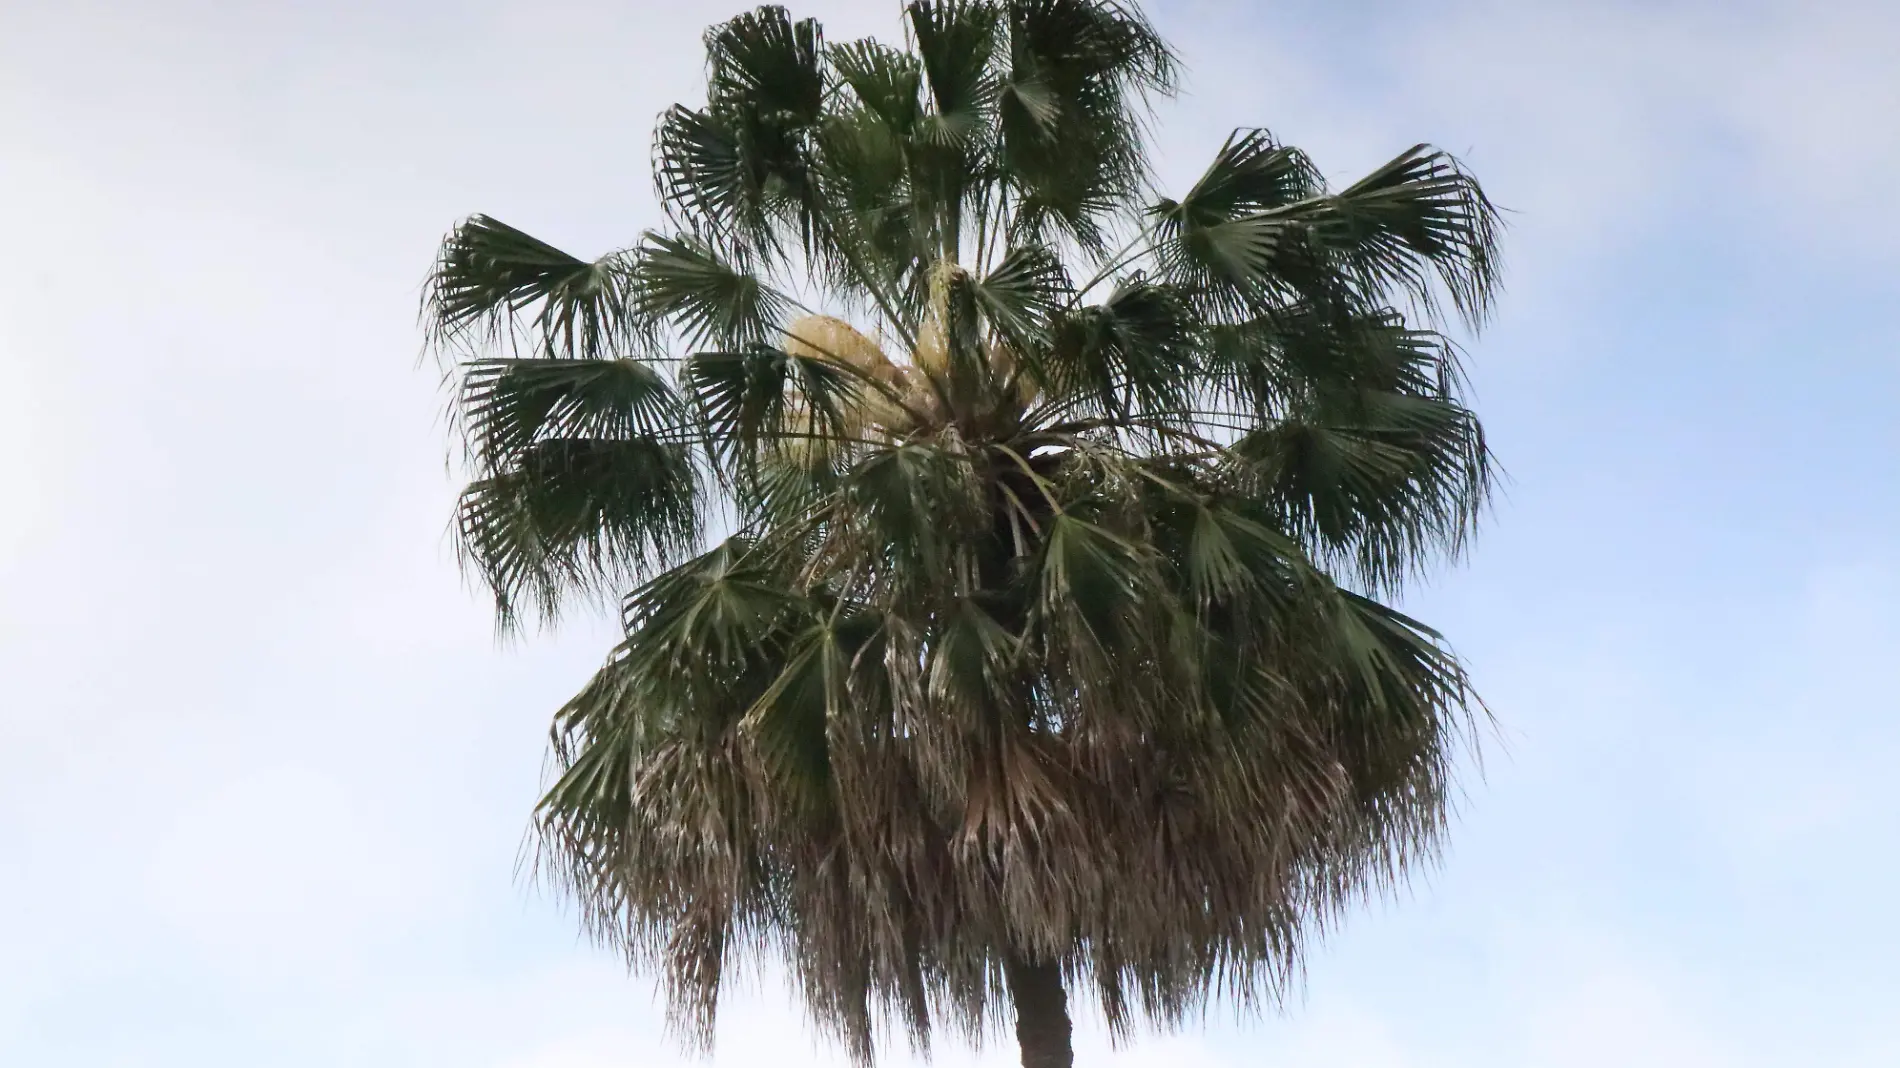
x=1005 y=541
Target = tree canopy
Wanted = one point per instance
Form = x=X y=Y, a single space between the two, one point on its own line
x=1009 y=545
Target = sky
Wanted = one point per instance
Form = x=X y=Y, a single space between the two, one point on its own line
x=265 y=770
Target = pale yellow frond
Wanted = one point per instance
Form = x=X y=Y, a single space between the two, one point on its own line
x=829 y=338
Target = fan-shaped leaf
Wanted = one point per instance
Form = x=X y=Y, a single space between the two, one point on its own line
x=492 y=281
x=576 y=515
x=508 y=405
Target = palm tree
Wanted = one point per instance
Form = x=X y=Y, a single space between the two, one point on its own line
x=1005 y=542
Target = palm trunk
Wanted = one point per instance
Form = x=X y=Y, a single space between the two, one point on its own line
x=1042 y=1013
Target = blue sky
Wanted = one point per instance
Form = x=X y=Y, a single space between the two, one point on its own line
x=264 y=771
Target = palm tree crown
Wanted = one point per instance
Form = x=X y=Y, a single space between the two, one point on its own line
x=1038 y=648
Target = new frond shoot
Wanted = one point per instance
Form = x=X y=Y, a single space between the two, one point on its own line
x=1005 y=555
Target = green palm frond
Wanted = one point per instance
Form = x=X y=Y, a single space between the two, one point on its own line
x=686 y=283
x=740 y=169
x=579 y=515
x=1047 y=651
x=1080 y=75
x=1382 y=492
x=956 y=43
x=768 y=68
x=492 y=282
x=886 y=81
x=755 y=398
x=507 y=406
x=1412 y=227
x=1022 y=294
x=705 y=178
x=1420 y=211
x=1123 y=358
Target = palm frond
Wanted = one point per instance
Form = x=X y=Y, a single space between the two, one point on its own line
x=494 y=283
x=684 y=281
x=706 y=180
x=578 y=516
x=507 y=406
x=740 y=170
x=1411 y=227
x=1385 y=484
x=1022 y=294
x=759 y=398
x=1135 y=354
x=910 y=508
x=1419 y=212
x=1090 y=585
x=1251 y=173
x=1080 y=73
x=886 y=81
x=766 y=67
x=956 y=40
